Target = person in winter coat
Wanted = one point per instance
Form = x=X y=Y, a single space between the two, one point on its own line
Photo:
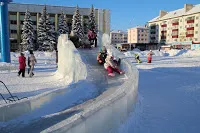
x=31 y=60
x=102 y=55
x=111 y=66
x=92 y=37
x=149 y=56
x=22 y=65
x=137 y=58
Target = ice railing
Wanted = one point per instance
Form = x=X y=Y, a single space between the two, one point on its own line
x=70 y=64
x=105 y=113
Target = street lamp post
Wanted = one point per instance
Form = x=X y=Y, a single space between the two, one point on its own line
x=4 y=33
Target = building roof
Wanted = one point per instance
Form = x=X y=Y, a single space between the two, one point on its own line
x=177 y=13
x=118 y=31
x=140 y=27
x=35 y=8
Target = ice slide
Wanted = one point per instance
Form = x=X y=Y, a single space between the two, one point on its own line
x=108 y=103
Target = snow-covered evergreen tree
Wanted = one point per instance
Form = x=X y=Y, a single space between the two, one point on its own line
x=77 y=26
x=28 y=33
x=42 y=29
x=52 y=36
x=46 y=32
x=92 y=22
x=62 y=25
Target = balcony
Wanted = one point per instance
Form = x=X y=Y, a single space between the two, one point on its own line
x=190 y=28
x=164 y=25
x=175 y=23
x=175 y=36
x=163 y=37
x=190 y=21
x=189 y=35
x=164 y=31
x=174 y=30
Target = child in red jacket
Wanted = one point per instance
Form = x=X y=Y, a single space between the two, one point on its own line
x=22 y=65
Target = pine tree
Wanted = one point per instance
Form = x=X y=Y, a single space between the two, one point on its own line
x=27 y=34
x=77 y=26
x=42 y=29
x=62 y=25
x=92 y=22
x=46 y=32
x=52 y=37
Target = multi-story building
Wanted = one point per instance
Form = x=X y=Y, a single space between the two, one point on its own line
x=118 y=37
x=138 y=34
x=180 y=28
x=17 y=11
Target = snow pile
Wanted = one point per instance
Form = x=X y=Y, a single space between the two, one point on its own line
x=186 y=53
x=173 y=52
x=7 y=67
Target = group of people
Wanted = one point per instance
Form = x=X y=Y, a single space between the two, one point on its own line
x=149 y=57
x=106 y=58
x=22 y=64
x=88 y=40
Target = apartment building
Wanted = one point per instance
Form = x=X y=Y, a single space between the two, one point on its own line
x=118 y=37
x=17 y=11
x=138 y=34
x=179 y=28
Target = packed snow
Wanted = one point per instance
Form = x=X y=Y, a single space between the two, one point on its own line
x=43 y=80
x=173 y=52
x=168 y=93
x=168 y=98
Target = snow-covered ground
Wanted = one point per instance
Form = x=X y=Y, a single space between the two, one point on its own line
x=169 y=94
x=43 y=80
x=168 y=99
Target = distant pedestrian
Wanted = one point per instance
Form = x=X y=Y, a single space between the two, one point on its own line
x=31 y=60
x=92 y=37
x=149 y=56
x=22 y=65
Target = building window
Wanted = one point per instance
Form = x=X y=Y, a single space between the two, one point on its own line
x=195 y=39
x=13 y=21
x=184 y=39
x=197 y=17
x=196 y=25
x=34 y=23
x=13 y=31
x=190 y=39
x=142 y=30
x=196 y=32
x=13 y=41
x=180 y=20
x=180 y=27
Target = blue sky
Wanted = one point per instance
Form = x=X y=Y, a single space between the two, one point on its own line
x=124 y=13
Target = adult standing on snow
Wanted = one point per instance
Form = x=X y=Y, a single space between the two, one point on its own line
x=92 y=37
x=22 y=65
x=149 y=56
x=32 y=60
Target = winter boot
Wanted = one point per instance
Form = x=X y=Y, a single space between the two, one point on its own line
x=121 y=72
x=111 y=74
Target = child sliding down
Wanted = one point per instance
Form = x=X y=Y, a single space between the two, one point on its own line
x=111 y=66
